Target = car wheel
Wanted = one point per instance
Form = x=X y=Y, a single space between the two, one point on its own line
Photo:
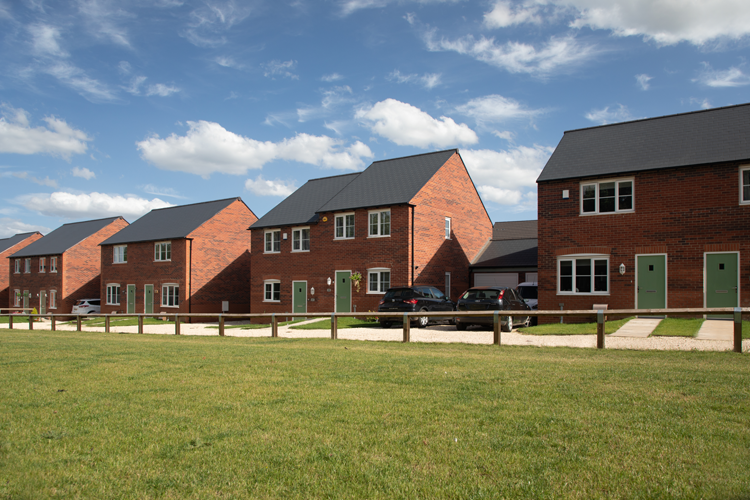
x=508 y=324
x=422 y=321
x=527 y=322
x=385 y=324
x=460 y=327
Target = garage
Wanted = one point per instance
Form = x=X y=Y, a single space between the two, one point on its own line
x=496 y=279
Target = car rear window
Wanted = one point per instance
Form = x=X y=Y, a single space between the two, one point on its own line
x=80 y=302
x=95 y=302
x=401 y=293
x=481 y=295
x=528 y=292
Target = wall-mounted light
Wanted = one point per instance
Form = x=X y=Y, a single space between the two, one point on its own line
x=622 y=268
x=312 y=290
x=329 y=281
x=566 y=194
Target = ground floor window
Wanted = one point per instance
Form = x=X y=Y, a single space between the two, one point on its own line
x=53 y=299
x=113 y=295
x=272 y=291
x=170 y=295
x=583 y=274
x=378 y=280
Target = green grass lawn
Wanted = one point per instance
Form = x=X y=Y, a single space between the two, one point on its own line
x=678 y=327
x=118 y=321
x=573 y=328
x=94 y=415
x=254 y=326
x=325 y=324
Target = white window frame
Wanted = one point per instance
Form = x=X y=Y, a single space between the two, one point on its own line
x=379 y=288
x=382 y=229
x=53 y=299
x=170 y=292
x=597 y=183
x=272 y=241
x=447 y=228
x=270 y=288
x=42 y=264
x=27 y=265
x=743 y=201
x=120 y=254
x=297 y=232
x=17 y=298
x=53 y=264
x=573 y=258
x=344 y=226
x=18 y=266
x=162 y=251
x=110 y=295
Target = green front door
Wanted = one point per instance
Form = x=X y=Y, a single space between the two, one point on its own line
x=131 y=299
x=299 y=297
x=652 y=281
x=721 y=280
x=148 y=293
x=43 y=302
x=343 y=292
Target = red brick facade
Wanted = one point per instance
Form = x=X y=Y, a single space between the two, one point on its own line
x=77 y=276
x=681 y=212
x=6 y=297
x=416 y=252
x=211 y=265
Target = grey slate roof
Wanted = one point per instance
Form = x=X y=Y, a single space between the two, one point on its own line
x=509 y=253
x=301 y=206
x=697 y=138
x=514 y=230
x=64 y=238
x=14 y=240
x=169 y=223
x=389 y=182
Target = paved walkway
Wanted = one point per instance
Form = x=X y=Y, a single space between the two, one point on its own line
x=638 y=328
x=716 y=329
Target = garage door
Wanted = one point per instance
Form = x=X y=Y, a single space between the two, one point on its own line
x=496 y=279
x=533 y=277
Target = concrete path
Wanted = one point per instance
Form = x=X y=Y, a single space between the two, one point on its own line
x=716 y=329
x=637 y=327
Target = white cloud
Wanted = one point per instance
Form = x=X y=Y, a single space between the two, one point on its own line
x=27 y=176
x=332 y=98
x=207 y=23
x=78 y=80
x=507 y=177
x=169 y=192
x=732 y=77
x=558 y=54
x=264 y=187
x=505 y=14
x=280 y=68
x=10 y=227
x=351 y=6
x=505 y=134
x=604 y=116
x=428 y=80
x=93 y=205
x=703 y=103
x=57 y=138
x=407 y=125
x=643 y=81
x=207 y=147
x=495 y=109
x=333 y=77
x=103 y=17
x=83 y=173
x=46 y=40
x=159 y=89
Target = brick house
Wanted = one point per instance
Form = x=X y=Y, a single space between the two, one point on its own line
x=8 y=247
x=55 y=271
x=651 y=213
x=509 y=258
x=405 y=221
x=186 y=259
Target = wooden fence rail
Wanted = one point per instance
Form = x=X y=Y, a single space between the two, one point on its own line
x=735 y=312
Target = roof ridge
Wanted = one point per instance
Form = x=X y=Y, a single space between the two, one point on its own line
x=332 y=177
x=658 y=117
x=198 y=203
x=91 y=220
x=455 y=150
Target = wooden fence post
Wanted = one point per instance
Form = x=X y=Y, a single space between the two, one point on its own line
x=106 y=323
x=140 y=324
x=407 y=327
x=221 y=325
x=31 y=322
x=600 y=329
x=334 y=327
x=176 y=324
x=274 y=326
x=78 y=323
x=737 y=329
x=10 y=320
x=496 y=328
x=52 y=321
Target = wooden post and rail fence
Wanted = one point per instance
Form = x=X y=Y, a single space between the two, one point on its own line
x=735 y=312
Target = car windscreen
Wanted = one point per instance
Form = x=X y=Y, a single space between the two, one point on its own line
x=401 y=293
x=527 y=292
x=481 y=295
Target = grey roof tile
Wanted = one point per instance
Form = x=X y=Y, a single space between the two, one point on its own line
x=514 y=230
x=64 y=238
x=7 y=243
x=509 y=253
x=696 y=138
x=169 y=223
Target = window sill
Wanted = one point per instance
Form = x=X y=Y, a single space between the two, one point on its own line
x=343 y=239
x=115 y=263
x=379 y=236
x=592 y=214
x=375 y=293
x=273 y=301
x=271 y=253
x=171 y=307
x=170 y=260
x=300 y=251
x=582 y=294
x=53 y=272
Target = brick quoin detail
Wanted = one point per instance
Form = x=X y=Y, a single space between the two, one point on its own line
x=6 y=295
x=682 y=212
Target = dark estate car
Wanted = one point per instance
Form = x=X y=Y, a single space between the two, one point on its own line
x=415 y=299
x=491 y=298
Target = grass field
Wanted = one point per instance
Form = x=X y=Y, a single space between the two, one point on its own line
x=93 y=415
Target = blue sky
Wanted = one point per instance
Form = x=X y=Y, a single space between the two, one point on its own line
x=118 y=107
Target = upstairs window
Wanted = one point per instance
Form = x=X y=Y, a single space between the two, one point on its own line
x=604 y=197
x=18 y=266
x=447 y=228
x=42 y=264
x=163 y=251
x=380 y=223
x=344 y=226
x=273 y=241
x=301 y=239
x=53 y=264
x=745 y=185
x=120 y=254
x=583 y=275
x=27 y=265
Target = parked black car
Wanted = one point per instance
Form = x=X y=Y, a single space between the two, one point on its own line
x=491 y=298
x=415 y=299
